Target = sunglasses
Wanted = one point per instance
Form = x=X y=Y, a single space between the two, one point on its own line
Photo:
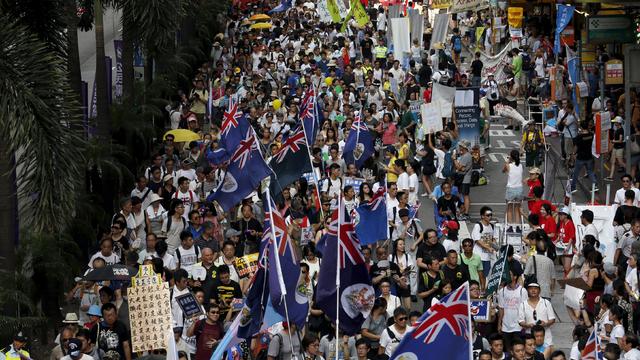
x=214 y=312
x=488 y=214
x=467 y=245
x=404 y=318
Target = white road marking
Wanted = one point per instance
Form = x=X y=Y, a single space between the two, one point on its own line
x=502 y=132
x=494 y=157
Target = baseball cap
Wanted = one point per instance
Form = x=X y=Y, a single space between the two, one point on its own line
x=75 y=348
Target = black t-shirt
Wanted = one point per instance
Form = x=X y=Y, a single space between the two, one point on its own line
x=111 y=339
x=224 y=293
x=445 y=204
x=583 y=145
x=424 y=75
x=617 y=134
x=427 y=282
x=251 y=241
x=366 y=45
x=476 y=67
x=625 y=214
x=436 y=251
x=458 y=275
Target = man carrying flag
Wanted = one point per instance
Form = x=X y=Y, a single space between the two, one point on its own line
x=345 y=273
x=359 y=145
x=444 y=329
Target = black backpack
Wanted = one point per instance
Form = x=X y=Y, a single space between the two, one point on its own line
x=527 y=65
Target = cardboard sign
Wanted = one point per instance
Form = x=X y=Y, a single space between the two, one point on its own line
x=481 y=310
x=495 y=276
x=189 y=305
x=246 y=265
x=440 y=4
x=431 y=119
x=614 y=72
x=149 y=311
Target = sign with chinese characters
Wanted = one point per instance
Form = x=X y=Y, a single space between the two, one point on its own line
x=246 y=265
x=614 y=72
x=149 y=311
x=189 y=305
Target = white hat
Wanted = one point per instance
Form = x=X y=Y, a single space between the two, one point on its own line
x=71 y=318
x=154 y=197
x=617 y=119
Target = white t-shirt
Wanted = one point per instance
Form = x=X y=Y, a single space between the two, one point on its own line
x=168 y=261
x=619 y=199
x=334 y=189
x=616 y=332
x=632 y=279
x=414 y=183
x=487 y=232
x=514 y=178
x=575 y=352
x=633 y=354
x=188 y=198
x=403 y=182
x=544 y=312
x=110 y=260
x=187 y=257
x=510 y=301
x=388 y=343
x=83 y=357
x=382 y=26
x=392 y=304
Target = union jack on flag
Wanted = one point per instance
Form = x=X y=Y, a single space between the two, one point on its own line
x=282 y=241
x=292 y=143
x=243 y=152
x=359 y=125
x=377 y=199
x=347 y=239
x=307 y=106
x=231 y=116
x=445 y=326
x=592 y=349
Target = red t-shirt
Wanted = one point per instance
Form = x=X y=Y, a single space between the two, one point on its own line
x=205 y=333
x=532 y=184
x=548 y=224
x=535 y=205
x=566 y=232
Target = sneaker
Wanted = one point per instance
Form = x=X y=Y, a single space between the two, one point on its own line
x=424 y=194
x=608 y=178
x=596 y=189
x=510 y=229
x=574 y=191
x=508 y=127
x=518 y=230
x=463 y=217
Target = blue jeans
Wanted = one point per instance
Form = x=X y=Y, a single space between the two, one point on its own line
x=588 y=164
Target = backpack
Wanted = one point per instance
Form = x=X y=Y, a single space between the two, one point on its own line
x=444 y=77
x=526 y=62
x=457 y=44
x=482 y=227
x=197 y=249
x=425 y=277
x=447 y=168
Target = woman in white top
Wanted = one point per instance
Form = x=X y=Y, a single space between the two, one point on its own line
x=539 y=63
x=155 y=213
x=631 y=277
x=393 y=302
x=312 y=261
x=514 y=170
x=616 y=315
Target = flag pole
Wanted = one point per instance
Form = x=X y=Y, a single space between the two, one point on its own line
x=469 y=324
x=338 y=276
x=276 y=256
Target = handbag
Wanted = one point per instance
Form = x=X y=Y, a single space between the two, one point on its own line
x=634 y=146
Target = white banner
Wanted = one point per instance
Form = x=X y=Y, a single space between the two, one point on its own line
x=464 y=5
x=439 y=33
x=323 y=12
x=401 y=37
x=443 y=97
x=603 y=221
x=495 y=64
x=431 y=119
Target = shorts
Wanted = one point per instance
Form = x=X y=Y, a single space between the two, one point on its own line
x=465 y=189
x=514 y=194
x=618 y=153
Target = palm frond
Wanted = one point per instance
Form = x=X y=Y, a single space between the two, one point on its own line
x=39 y=113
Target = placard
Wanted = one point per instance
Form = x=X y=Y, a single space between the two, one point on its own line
x=481 y=310
x=189 y=305
x=468 y=115
x=246 y=265
x=431 y=119
x=149 y=311
x=614 y=72
x=498 y=268
x=353 y=181
x=603 y=125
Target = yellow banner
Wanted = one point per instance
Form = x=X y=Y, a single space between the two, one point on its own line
x=334 y=11
x=359 y=13
x=440 y=4
x=515 y=17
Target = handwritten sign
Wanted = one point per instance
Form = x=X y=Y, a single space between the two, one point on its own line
x=189 y=305
x=431 y=119
x=149 y=311
x=246 y=265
